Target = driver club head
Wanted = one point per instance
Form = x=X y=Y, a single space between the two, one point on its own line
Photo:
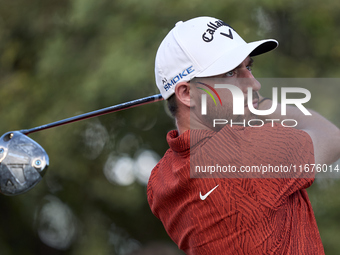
x=23 y=162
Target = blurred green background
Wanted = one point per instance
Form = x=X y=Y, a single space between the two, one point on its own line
x=60 y=58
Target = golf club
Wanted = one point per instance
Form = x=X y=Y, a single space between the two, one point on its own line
x=23 y=162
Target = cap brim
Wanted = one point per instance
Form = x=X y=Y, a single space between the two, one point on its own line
x=235 y=57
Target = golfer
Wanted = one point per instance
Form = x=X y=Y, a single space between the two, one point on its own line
x=232 y=214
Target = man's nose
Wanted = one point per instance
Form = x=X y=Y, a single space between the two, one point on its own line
x=248 y=80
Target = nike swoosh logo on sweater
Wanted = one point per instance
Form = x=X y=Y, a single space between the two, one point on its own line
x=207 y=194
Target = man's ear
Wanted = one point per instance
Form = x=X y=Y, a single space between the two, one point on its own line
x=182 y=91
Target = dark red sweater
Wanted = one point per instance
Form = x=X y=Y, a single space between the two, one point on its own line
x=241 y=215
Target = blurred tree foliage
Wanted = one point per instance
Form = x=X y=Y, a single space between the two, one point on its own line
x=59 y=58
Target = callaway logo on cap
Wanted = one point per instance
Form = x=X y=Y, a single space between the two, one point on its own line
x=201 y=47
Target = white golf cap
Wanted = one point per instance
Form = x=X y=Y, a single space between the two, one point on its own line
x=202 y=47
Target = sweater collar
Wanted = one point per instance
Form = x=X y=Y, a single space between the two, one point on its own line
x=187 y=140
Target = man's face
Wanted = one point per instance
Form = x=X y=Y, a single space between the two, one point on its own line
x=241 y=77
